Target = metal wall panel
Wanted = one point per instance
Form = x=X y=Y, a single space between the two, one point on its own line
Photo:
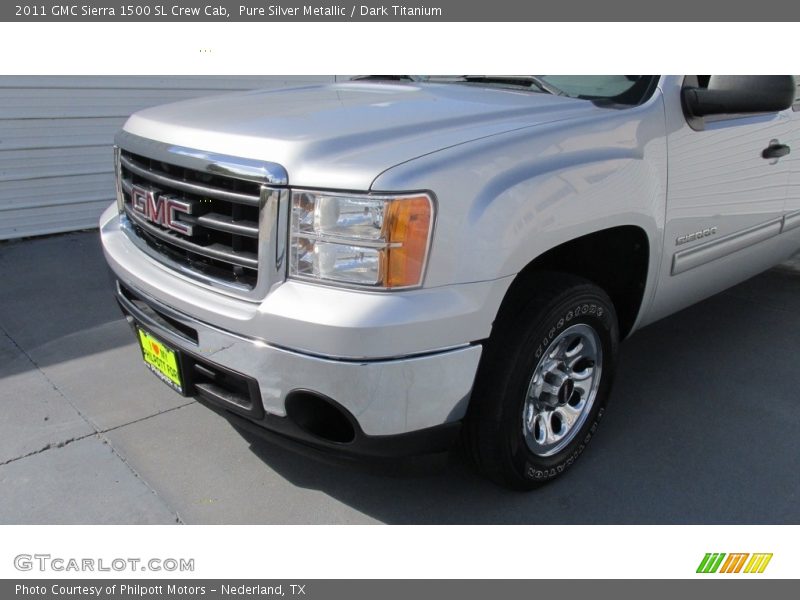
x=56 y=134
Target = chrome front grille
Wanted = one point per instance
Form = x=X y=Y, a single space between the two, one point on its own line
x=213 y=218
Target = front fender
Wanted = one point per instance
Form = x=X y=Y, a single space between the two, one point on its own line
x=506 y=199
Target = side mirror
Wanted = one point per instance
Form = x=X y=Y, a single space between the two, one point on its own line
x=740 y=94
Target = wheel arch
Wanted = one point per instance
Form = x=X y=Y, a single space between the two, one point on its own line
x=616 y=259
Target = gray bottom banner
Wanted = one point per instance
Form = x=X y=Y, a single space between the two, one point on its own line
x=349 y=589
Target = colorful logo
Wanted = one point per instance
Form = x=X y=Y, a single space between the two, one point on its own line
x=734 y=563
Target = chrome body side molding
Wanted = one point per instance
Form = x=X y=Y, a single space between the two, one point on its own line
x=704 y=253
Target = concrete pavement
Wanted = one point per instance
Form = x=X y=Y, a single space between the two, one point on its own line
x=702 y=426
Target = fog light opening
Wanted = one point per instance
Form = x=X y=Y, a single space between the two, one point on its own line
x=320 y=417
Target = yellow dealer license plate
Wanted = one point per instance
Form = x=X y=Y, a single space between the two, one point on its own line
x=161 y=360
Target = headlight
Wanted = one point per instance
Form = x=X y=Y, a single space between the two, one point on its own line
x=374 y=240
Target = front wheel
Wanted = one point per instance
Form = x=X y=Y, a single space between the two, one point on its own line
x=544 y=382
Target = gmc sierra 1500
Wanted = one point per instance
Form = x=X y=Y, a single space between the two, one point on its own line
x=373 y=266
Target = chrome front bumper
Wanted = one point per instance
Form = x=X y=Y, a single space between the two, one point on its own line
x=384 y=398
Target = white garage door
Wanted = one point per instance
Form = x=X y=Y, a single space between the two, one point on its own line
x=55 y=137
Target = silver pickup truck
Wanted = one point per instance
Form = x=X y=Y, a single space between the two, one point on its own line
x=381 y=266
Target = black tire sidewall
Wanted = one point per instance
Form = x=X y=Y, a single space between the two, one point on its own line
x=590 y=307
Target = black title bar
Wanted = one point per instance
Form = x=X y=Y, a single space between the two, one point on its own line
x=399 y=11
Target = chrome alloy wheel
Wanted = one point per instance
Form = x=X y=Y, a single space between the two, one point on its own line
x=562 y=390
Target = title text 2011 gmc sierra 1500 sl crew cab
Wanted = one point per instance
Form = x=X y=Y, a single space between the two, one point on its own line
x=375 y=266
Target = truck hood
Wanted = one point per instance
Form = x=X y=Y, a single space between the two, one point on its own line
x=344 y=135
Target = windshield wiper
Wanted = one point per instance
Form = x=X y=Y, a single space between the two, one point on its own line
x=520 y=80
x=385 y=78
x=523 y=80
x=546 y=86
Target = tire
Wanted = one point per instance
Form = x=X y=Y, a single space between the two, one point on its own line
x=543 y=382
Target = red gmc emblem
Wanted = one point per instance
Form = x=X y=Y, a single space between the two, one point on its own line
x=161 y=209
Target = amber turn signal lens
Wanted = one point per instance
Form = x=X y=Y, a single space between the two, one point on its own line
x=407 y=230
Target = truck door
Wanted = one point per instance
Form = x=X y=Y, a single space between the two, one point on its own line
x=725 y=199
x=793 y=166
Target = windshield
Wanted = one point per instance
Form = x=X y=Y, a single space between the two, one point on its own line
x=612 y=89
